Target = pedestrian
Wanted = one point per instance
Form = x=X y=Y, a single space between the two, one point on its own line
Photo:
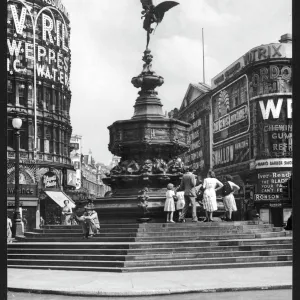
x=9 y=226
x=211 y=184
x=169 y=203
x=188 y=183
x=66 y=213
x=180 y=202
x=228 y=199
x=89 y=221
x=42 y=222
x=289 y=223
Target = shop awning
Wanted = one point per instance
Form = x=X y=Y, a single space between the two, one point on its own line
x=60 y=197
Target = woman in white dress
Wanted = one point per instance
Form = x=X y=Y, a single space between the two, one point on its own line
x=228 y=200
x=66 y=213
x=211 y=184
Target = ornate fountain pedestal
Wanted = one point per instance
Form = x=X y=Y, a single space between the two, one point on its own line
x=149 y=145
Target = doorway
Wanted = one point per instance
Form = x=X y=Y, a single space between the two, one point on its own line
x=276 y=216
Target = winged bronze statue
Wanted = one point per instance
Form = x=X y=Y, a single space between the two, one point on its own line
x=154 y=14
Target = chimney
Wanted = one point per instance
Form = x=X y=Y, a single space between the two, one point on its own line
x=286 y=38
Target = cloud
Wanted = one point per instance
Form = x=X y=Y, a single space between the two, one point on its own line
x=200 y=11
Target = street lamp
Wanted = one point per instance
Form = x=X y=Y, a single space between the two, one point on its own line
x=18 y=229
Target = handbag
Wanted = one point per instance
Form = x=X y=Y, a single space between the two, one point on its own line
x=199 y=195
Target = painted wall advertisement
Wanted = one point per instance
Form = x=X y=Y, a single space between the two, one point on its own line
x=274 y=127
x=230 y=107
x=232 y=153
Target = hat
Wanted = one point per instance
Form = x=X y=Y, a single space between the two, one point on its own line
x=89 y=206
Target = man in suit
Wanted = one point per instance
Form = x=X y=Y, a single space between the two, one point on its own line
x=187 y=185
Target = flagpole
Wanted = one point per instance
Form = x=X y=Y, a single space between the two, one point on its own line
x=203 y=55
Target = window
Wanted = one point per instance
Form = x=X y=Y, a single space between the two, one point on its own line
x=57 y=141
x=29 y=63
x=22 y=93
x=54 y=98
x=40 y=146
x=23 y=139
x=48 y=99
x=10 y=138
x=58 y=103
x=29 y=94
x=39 y=97
x=10 y=92
x=47 y=140
x=66 y=145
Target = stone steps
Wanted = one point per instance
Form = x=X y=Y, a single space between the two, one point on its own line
x=145 y=257
x=148 y=263
x=153 y=247
x=157 y=268
x=150 y=251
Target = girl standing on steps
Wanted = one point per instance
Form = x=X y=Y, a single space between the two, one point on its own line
x=169 y=204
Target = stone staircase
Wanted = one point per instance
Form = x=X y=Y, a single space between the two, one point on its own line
x=154 y=247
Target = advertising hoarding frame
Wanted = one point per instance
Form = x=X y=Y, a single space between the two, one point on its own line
x=247 y=101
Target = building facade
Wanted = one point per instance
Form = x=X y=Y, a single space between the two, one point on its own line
x=195 y=109
x=89 y=174
x=38 y=66
x=250 y=128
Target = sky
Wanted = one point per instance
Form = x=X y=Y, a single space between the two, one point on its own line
x=108 y=40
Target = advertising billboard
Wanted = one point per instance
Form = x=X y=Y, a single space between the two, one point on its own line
x=71 y=178
x=51 y=36
x=230 y=109
x=274 y=130
x=257 y=54
x=234 y=152
x=275 y=78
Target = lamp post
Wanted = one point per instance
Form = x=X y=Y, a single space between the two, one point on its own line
x=18 y=228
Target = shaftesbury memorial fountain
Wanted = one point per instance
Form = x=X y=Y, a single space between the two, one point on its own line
x=149 y=143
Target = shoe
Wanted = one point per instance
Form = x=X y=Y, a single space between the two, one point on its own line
x=172 y=221
x=210 y=220
x=181 y=221
x=195 y=221
x=206 y=220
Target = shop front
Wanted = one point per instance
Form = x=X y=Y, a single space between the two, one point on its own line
x=29 y=204
x=52 y=198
